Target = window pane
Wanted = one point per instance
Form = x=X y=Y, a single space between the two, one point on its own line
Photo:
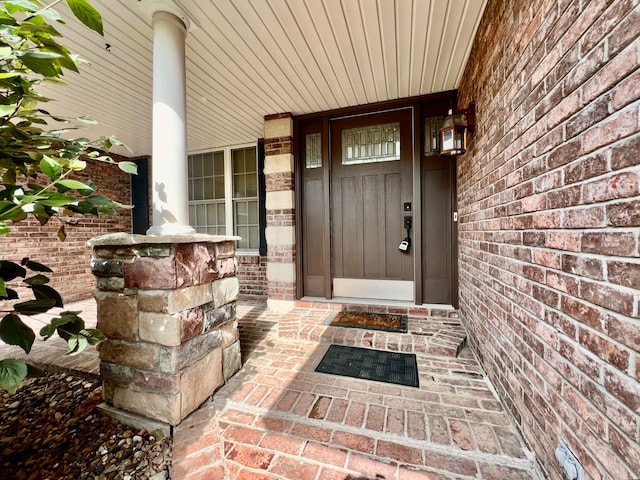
x=197 y=165
x=218 y=187
x=207 y=183
x=375 y=143
x=238 y=161
x=222 y=221
x=207 y=160
x=201 y=215
x=313 y=150
x=250 y=164
x=252 y=208
x=432 y=135
x=251 y=186
x=218 y=163
x=198 y=189
x=244 y=241
x=239 y=189
x=245 y=216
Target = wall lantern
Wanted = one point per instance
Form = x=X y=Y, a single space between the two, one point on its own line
x=453 y=139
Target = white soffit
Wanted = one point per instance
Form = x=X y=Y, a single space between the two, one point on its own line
x=250 y=58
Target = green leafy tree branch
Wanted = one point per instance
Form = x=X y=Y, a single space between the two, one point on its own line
x=37 y=168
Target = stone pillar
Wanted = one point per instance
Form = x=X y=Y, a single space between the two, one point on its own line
x=169 y=149
x=280 y=205
x=167 y=305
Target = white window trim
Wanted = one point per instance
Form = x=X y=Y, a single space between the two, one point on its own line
x=228 y=188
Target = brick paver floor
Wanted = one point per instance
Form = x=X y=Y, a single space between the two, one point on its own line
x=279 y=419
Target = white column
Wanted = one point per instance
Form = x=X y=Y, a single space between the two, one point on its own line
x=169 y=161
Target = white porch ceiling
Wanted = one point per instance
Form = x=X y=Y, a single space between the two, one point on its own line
x=250 y=58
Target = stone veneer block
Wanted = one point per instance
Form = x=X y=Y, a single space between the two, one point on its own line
x=278 y=127
x=231 y=360
x=230 y=333
x=194 y=264
x=174 y=359
x=280 y=200
x=110 y=284
x=174 y=301
x=117 y=315
x=191 y=323
x=224 y=249
x=139 y=355
x=156 y=251
x=163 y=406
x=161 y=328
x=156 y=381
x=214 y=317
x=200 y=380
x=281 y=235
x=281 y=272
x=225 y=290
x=226 y=267
x=282 y=163
x=146 y=272
x=107 y=267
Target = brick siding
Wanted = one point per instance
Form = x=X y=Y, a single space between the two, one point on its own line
x=549 y=224
x=252 y=275
x=70 y=260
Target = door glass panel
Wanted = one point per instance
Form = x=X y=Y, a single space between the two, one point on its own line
x=432 y=135
x=374 y=143
x=313 y=150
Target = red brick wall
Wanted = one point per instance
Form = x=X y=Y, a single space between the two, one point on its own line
x=549 y=224
x=252 y=275
x=70 y=259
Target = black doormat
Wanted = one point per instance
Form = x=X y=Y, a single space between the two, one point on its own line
x=379 y=365
x=370 y=321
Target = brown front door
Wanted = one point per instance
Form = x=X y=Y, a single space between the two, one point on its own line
x=370 y=184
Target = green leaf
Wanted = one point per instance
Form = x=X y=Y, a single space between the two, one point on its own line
x=35 y=266
x=3 y=289
x=93 y=335
x=33 y=372
x=5 y=52
x=87 y=120
x=62 y=233
x=21 y=5
x=67 y=324
x=45 y=292
x=14 y=332
x=11 y=270
x=43 y=66
x=86 y=14
x=6 y=110
x=37 y=280
x=11 y=294
x=74 y=184
x=35 y=306
x=50 y=167
x=128 y=167
x=100 y=200
x=77 y=343
x=58 y=200
x=12 y=373
x=4 y=229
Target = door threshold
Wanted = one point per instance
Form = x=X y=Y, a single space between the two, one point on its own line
x=376 y=302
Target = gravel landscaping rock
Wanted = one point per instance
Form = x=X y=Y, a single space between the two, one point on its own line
x=51 y=429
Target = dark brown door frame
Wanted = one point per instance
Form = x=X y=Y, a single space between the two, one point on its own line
x=423 y=106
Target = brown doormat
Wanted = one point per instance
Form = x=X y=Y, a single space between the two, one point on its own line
x=370 y=321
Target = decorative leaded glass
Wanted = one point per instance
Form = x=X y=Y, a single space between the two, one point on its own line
x=432 y=135
x=313 y=150
x=375 y=143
